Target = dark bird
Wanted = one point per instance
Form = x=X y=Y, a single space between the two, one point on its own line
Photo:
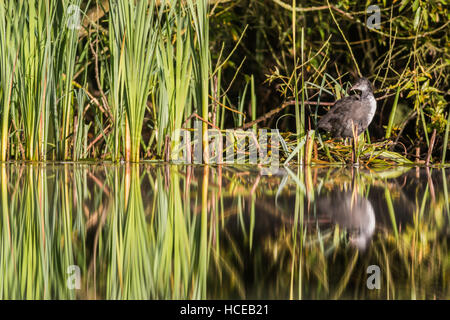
x=357 y=110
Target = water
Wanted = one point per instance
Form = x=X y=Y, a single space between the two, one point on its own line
x=75 y=231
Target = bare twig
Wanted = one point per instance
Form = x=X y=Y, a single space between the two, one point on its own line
x=103 y=133
x=97 y=78
x=279 y=109
x=430 y=149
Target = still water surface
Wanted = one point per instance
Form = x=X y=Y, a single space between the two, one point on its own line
x=75 y=231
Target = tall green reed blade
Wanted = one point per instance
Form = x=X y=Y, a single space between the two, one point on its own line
x=299 y=110
x=80 y=130
x=445 y=146
x=253 y=103
x=136 y=259
x=204 y=245
x=298 y=224
x=135 y=24
x=116 y=95
x=126 y=240
x=34 y=70
x=202 y=65
x=9 y=25
x=66 y=220
x=6 y=268
x=174 y=72
x=391 y=211
x=392 y=114
x=446 y=197
x=239 y=119
x=111 y=245
x=183 y=251
x=172 y=249
x=65 y=57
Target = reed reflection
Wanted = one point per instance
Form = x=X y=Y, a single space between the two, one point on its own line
x=188 y=232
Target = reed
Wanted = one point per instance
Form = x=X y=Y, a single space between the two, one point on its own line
x=446 y=145
x=43 y=40
x=135 y=24
x=299 y=114
x=66 y=54
x=9 y=48
x=116 y=96
x=392 y=114
x=253 y=102
x=175 y=72
x=202 y=67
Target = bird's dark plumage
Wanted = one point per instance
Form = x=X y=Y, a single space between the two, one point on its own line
x=356 y=109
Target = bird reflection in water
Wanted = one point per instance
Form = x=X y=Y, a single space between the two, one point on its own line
x=351 y=212
x=344 y=204
x=340 y=204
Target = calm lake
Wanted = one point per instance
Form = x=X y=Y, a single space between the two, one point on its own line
x=103 y=231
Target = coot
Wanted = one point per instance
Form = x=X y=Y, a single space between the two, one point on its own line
x=357 y=110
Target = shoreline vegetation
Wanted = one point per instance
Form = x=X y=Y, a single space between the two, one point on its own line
x=111 y=80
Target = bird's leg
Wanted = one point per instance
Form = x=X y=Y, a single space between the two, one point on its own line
x=353 y=151
x=355 y=144
x=345 y=141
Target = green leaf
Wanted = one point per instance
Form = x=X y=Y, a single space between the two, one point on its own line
x=411 y=93
x=417 y=18
x=403 y=5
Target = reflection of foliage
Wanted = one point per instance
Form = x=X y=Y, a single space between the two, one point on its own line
x=414 y=265
x=168 y=232
x=36 y=226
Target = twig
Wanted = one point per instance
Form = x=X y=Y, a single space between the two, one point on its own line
x=97 y=79
x=279 y=109
x=345 y=39
x=404 y=126
x=430 y=149
x=22 y=150
x=104 y=132
x=224 y=106
x=201 y=119
x=93 y=16
x=350 y=17
x=289 y=7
